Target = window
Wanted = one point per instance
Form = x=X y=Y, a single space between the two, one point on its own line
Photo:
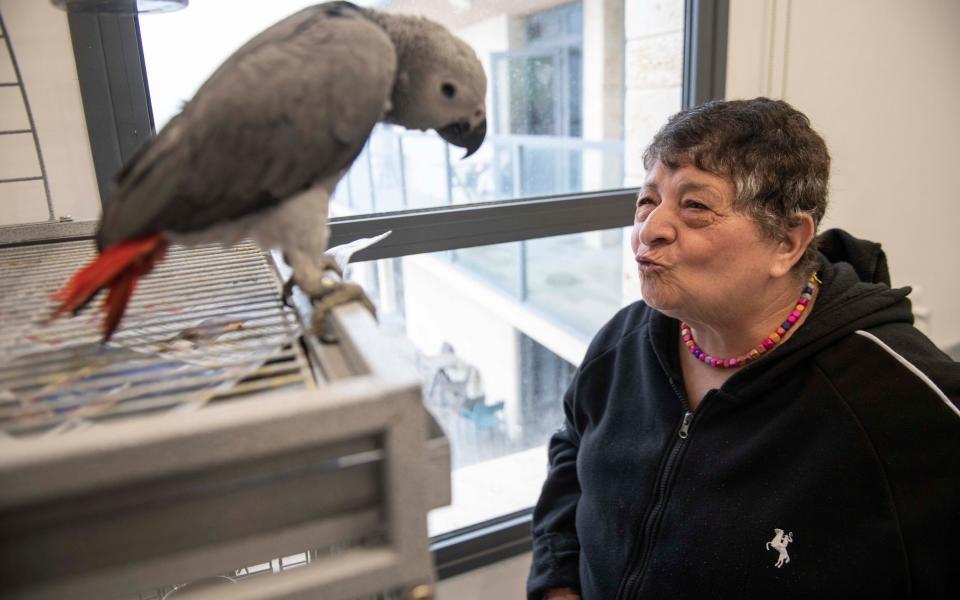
x=503 y=265
x=496 y=333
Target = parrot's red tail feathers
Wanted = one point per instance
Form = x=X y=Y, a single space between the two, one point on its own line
x=117 y=298
x=118 y=267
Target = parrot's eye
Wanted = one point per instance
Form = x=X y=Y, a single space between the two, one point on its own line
x=449 y=90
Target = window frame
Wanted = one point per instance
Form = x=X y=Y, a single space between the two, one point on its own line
x=113 y=88
x=116 y=101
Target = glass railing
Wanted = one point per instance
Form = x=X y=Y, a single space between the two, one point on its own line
x=400 y=170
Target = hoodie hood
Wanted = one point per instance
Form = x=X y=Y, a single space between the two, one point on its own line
x=867 y=258
x=856 y=292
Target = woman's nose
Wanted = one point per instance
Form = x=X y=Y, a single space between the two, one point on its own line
x=658 y=227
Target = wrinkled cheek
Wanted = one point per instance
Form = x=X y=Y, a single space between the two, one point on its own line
x=635 y=237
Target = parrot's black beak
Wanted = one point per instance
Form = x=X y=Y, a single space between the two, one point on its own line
x=461 y=134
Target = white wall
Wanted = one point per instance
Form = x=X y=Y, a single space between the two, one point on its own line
x=880 y=80
x=41 y=42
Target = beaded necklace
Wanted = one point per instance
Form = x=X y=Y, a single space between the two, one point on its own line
x=767 y=344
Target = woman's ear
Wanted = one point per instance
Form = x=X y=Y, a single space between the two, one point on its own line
x=791 y=247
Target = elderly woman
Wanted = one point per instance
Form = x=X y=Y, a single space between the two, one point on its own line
x=766 y=422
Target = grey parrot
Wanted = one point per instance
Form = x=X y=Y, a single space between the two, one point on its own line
x=260 y=148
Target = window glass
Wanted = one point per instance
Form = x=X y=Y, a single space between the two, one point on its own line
x=575 y=91
x=496 y=350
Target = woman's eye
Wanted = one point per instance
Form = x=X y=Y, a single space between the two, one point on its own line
x=644 y=201
x=695 y=205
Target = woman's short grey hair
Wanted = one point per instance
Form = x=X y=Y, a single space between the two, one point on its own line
x=778 y=164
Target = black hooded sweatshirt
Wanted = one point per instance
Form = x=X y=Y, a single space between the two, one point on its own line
x=830 y=468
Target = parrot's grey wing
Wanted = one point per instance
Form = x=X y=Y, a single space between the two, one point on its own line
x=291 y=107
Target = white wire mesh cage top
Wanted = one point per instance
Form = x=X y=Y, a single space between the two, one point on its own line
x=206 y=326
x=197 y=442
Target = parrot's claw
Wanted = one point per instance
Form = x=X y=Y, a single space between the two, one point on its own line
x=338 y=293
x=287 y=294
x=321 y=279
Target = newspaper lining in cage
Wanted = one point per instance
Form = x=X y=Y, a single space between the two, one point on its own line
x=207 y=325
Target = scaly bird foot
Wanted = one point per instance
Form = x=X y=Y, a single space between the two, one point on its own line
x=335 y=292
x=313 y=275
x=322 y=281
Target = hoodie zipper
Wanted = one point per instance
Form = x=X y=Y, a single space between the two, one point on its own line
x=641 y=553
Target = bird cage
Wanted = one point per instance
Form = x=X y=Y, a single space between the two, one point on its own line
x=209 y=436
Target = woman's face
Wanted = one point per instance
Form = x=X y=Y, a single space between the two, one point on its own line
x=699 y=260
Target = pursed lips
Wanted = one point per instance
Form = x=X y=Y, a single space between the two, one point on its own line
x=646 y=263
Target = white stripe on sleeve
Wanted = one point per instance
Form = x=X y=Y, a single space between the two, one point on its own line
x=913 y=369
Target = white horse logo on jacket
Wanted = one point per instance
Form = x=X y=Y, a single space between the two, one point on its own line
x=779 y=543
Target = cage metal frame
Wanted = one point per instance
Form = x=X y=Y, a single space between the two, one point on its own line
x=90 y=492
